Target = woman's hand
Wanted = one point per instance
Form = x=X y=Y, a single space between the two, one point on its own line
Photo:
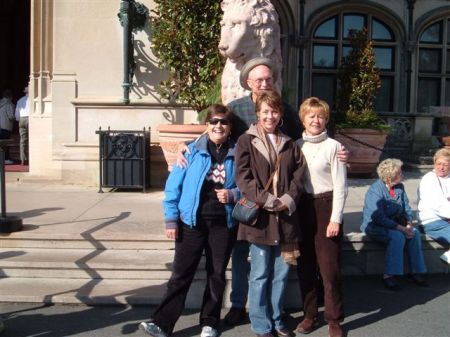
x=333 y=229
x=343 y=155
x=406 y=230
x=222 y=195
x=181 y=160
x=172 y=233
x=278 y=206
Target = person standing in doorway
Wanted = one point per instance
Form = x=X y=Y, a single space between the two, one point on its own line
x=22 y=112
x=6 y=120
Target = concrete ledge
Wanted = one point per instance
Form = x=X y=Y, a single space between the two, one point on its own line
x=363 y=256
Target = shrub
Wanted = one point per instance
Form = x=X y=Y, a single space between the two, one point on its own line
x=185 y=40
x=359 y=82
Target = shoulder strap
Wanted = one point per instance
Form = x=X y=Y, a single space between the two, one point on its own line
x=266 y=187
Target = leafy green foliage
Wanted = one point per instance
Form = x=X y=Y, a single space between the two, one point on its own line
x=214 y=95
x=185 y=40
x=359 y=82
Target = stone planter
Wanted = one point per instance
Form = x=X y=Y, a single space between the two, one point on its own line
x=171 y=135
x=365 y=147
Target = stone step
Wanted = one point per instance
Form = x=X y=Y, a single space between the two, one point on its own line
x=87 y=258
x=111 y=291
x=105 y=274
x=69 y=241
x=90 y=263
x=82 y=244
x=90 y=292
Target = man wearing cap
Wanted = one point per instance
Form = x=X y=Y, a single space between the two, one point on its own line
x=258 y=75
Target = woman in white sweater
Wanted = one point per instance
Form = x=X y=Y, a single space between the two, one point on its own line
x=321 y=212
x=434 y=201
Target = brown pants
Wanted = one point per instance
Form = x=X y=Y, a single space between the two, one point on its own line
x=320 y=253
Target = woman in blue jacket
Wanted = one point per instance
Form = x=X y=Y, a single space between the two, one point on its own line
x=198 y=203
x=387 y=218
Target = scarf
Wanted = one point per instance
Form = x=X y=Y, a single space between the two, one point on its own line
x=289 y=251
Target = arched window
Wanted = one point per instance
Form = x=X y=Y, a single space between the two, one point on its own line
x=434 y=65
x=330 y=43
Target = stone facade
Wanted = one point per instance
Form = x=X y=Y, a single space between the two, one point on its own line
x=76 y=75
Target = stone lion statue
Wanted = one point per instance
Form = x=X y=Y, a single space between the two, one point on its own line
x=249 y=28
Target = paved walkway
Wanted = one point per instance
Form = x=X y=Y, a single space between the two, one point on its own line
x=371 y=311
x=49 y=207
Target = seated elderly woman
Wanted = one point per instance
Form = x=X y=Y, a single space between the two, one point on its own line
x=387 y=218
x=434 y=201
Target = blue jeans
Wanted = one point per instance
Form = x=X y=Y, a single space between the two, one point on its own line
x=268 y=279
x=240 y=268
x=439 y=231
x=393 y=264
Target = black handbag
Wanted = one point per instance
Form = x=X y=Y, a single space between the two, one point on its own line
x=246 y=211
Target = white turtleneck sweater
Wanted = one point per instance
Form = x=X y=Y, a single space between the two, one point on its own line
x=325 y=172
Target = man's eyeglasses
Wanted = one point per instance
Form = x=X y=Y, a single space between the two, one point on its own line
x=260 y=81
x=215 y=121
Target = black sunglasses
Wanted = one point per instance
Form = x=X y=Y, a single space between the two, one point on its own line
x=222 y=121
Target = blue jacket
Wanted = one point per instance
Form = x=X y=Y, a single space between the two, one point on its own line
x=183 y=186
x=380 y=209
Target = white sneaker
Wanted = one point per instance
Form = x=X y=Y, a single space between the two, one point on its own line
x=446 y=257
x=8 y=162
x=208 y=331
x=152 y=329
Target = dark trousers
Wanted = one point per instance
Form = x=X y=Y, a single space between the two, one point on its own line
x=5 y=134
x=320 y=252
x=216 y=240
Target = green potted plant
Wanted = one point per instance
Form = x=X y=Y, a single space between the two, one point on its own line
x=185 y=38
x=358 y=126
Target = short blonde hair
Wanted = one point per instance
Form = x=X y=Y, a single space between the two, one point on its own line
x=389 y=168
x=314 y=103
x=442 y=153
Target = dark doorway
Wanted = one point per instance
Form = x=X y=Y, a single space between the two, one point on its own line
x=15 y=58
x=15 y=51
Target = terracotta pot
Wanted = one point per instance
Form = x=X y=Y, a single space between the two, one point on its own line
x=446 y=142
x=171 y=135
x=363 y=159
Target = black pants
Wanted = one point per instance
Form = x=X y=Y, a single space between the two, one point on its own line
x=5 y=134
x=320 y=252
x=213 y=237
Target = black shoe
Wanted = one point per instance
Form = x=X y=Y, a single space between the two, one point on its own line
x=391 y=283
x=418 y=279
x=235 y=316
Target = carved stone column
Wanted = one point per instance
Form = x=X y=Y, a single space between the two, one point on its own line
x=41 y=56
